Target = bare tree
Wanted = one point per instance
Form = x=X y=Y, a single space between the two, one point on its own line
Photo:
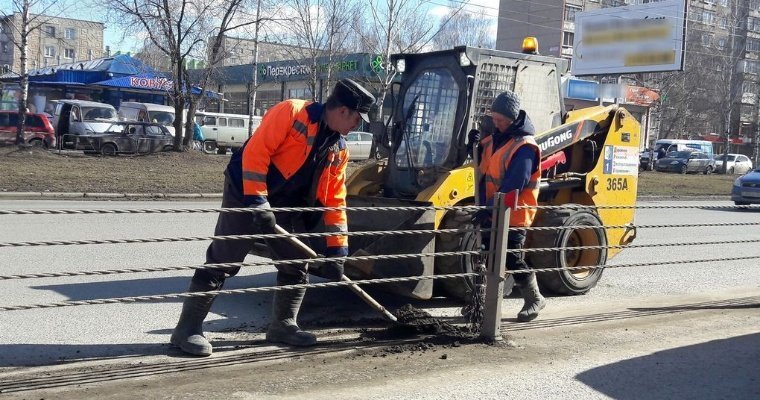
x=318 y=28
x=26 y=18
x=397 y=26
x=465 y=28
x=180 y=29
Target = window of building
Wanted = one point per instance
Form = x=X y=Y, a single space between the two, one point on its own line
x=707 y=39
x=69 y=53
x=749 y=87
x=753 y=44
x=70 y=33
x=570 y=11
x=567 y=39
x=49 y=51
x=753 y=24
x=723 y=23
x=6 y=48
x=706 y=17
x=49 y=31
x=723 y=3
x=751 y=67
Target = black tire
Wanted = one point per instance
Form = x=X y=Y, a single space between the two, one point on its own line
x=108 y=149
x=731 y=171
x=566 y=282
x=457 y=288
x=168 y=148
x=684 y=169
x=741 y=203
x=37 y=143
x=221 y=150
x=708 y=170
x=209 y=146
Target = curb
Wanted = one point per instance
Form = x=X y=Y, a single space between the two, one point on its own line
x=94 y=195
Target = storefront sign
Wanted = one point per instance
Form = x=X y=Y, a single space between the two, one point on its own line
x=300 y=69
x=150 y=83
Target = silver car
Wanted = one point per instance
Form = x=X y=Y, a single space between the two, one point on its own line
x=359 y=145
x=735 y=163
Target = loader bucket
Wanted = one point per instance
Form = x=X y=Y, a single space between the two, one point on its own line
x=392 y=244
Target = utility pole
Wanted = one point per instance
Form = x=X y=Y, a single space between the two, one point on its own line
x=255 y=82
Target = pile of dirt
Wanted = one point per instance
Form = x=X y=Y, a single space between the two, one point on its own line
x=433 y=333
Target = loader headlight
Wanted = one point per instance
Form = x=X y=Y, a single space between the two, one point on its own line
x=464 y=61
x=401 y=65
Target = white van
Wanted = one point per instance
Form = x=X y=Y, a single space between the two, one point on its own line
x=704 y=146
x=148 y=112
x=223 y=131
x=81 y=117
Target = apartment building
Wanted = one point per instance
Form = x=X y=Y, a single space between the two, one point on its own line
x=239 y=51
x=691 y=103
x=58 y=41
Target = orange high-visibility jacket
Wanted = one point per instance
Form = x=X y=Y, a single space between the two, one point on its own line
x=493 y=166
x=283 y=141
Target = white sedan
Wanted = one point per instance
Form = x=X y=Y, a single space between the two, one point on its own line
x=359 y=145
x=736 y=163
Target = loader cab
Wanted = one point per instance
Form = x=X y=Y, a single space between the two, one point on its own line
x=444 y=94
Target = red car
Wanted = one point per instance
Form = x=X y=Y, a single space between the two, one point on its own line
x=38 y=131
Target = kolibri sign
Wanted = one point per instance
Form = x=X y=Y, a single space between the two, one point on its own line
x=630 y=39
x=150 y=83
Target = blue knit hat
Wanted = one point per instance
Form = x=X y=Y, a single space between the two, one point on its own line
x=507 y=104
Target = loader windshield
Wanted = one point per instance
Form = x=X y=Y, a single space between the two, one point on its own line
x=430 y=105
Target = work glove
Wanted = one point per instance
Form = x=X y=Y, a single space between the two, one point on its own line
x=263 y=218
x=473 y=138
x=331 y=269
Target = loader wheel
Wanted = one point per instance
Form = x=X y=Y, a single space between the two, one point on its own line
x=458 y=288
x=568 y=282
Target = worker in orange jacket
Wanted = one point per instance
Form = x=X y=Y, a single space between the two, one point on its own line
x=296 y=158
x=510 y=164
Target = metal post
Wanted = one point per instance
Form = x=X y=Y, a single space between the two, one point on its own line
x=491 y=328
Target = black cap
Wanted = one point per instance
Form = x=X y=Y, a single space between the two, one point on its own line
x=507 y=104
x=354 y=96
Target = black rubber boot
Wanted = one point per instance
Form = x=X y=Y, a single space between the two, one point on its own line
x=534 y=302
x=285 y=306
x=188 y=335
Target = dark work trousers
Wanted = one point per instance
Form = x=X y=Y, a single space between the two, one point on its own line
x=234 y=251
x=516 y=261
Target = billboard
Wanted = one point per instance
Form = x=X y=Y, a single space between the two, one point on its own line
x=630 y=39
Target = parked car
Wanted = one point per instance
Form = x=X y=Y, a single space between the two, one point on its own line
x=148 y=112
x=685 y=162
x=359 y=145
x=223 y=131
x=735 y=163
x=38 y=131
x=746 y=189
x=80 y=117
x=644 y=160
x=127 y=137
